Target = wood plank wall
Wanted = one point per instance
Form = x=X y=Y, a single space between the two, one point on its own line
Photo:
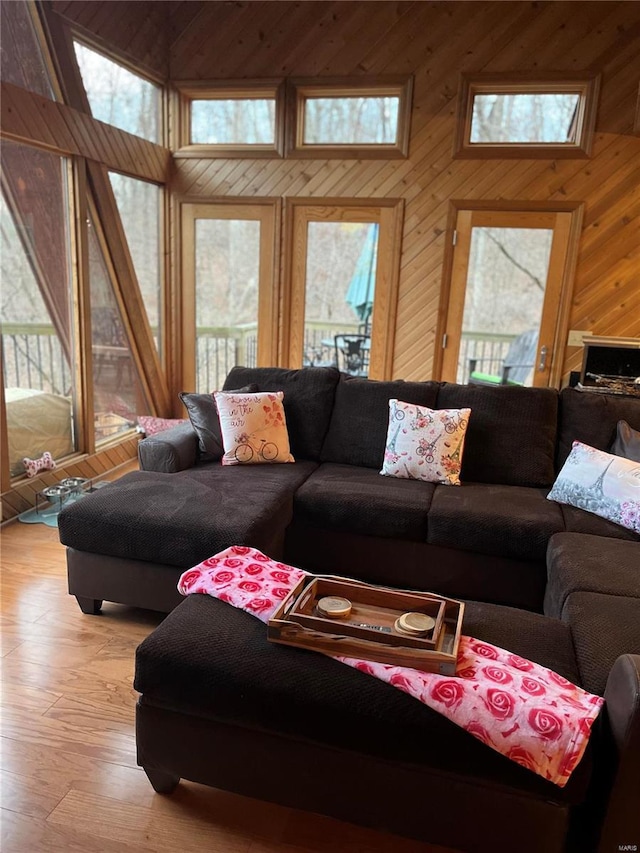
x=435 y=42
x=138 y=29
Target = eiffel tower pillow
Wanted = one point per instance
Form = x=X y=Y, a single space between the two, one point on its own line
x=425 y=444
x=601 y=483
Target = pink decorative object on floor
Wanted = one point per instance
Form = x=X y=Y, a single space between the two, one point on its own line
x=33 y=466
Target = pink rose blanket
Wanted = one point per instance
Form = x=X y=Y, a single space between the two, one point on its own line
x=521 y=709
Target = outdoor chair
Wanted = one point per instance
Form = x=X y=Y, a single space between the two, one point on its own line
x=516 y=366
x=352 y=354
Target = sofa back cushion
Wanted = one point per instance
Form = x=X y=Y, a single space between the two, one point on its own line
x=511 y=437
x=592 y=419
x=308 y=401
x=358 y=429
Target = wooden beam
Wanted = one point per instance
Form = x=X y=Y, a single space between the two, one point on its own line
x=32 y=119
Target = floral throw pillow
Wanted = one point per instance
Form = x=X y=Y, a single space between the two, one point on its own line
x=425 y=444
x=254 y=428
x=601 y=483
x=150 y=425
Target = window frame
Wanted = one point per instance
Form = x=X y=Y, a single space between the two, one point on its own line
x=213 y=90
x=585 y=85
x=299 y=90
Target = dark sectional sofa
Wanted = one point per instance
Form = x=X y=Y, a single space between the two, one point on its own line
x=332 y=511
x=549 y=582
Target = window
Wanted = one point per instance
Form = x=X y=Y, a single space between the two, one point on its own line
x=233 y=119
x=347 y=118
x=350 y=121
x=119 y=97
x=505 y=117
x=140 y=207
x=342 y=265
x=117 y=392
x=229 y=294
x=22 y=60
x=37 y=328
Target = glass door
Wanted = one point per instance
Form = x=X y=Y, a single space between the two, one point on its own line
x=229 y=298
x=505 y=297
x=343 y=274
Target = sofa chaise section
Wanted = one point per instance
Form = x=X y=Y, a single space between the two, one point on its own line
x=177 y=520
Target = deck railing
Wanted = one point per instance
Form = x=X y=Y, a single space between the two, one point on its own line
x=33 y=356
x=490 y=350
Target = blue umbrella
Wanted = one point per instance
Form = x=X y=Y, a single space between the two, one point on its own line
x=361 y=290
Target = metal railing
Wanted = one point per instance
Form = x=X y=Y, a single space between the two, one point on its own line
x=33 y=356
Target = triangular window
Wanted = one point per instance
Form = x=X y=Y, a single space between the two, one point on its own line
x=119 y=97
x=36 y=306
x=22 y=61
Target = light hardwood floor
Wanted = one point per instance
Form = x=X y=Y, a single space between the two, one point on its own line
x=69 y=779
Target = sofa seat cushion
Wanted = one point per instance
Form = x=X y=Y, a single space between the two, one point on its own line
x=358 y=428
x=211 y=660
x=511 y=438
x=504 y=521
x=360 y=500
x=581 y=563
x=308 y=401
x=603 y=628
x=592 y=419
x=181 y=519
x=578 y=520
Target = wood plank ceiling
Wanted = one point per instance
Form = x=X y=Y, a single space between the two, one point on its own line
x=434 y=41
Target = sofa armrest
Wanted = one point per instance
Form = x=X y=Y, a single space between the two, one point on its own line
x=621 y=824
x=169 y=451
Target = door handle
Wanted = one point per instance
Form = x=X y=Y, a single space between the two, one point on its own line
x=542 y=358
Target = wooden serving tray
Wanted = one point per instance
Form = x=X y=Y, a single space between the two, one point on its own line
x=297 y=623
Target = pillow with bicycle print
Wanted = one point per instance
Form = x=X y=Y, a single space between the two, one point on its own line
x=254 y=428
x=425 y=444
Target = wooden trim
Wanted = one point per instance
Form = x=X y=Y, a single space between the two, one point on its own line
x=64 y=130
x=211 y=90
x=456 y=292
x=41 y=37
x=265 y=211
x=556 y=292
x=445 y=286
x=187 y=242
x=584 y=84
x=388 y=213
x=5 y=466
x=297 y=92
x=564 y=312
x=384 y=315
x=83 y=353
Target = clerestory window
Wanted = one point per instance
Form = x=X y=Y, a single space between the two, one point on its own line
x=505 y=117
